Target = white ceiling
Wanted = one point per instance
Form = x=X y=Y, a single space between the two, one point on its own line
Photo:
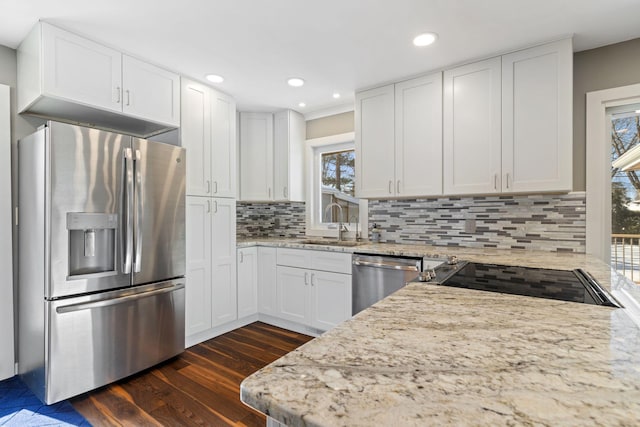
x=335 y=45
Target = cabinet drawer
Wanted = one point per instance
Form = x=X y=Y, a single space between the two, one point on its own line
x=300 y=258
x=331 y=261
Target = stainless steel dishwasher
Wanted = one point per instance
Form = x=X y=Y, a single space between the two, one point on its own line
x=374 y=277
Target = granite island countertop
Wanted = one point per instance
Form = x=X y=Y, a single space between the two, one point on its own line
x=435 y=355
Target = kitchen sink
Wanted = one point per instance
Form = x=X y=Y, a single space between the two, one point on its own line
x=345 y=243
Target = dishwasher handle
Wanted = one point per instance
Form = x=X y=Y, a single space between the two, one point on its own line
x=386 y=264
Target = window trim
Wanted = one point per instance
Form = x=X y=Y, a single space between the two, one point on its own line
x=313 y=227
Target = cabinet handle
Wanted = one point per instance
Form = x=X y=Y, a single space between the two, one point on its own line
x=312 y=275
x=390 y=187
x=241 y=257
x=215 y=187
x=284 y=191
x=495 y=181
x=208 y=186
x=215 y=206
x=507 y=179
x=128 y=97
x=208 y=206
x=269 y=190
x=118 y=95
x=306 y=279
x=398 y=187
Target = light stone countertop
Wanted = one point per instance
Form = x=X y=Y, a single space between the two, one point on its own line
x=437 y=355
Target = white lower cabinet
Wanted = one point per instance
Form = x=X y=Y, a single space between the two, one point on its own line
x=313 y=288
x=247 y=281
x=267 y=281
x=211 y=294
x=319 y=299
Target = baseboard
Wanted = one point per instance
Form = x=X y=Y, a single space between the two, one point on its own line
x=194 y=339
x=288 y=325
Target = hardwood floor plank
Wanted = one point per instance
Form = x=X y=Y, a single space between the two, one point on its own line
x=200 y=387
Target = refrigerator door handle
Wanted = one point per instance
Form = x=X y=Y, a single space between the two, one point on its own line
x=137 y=265
x=127 y=211
x=118 y=300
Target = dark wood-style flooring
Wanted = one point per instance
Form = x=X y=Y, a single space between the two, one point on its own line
x=201 y=387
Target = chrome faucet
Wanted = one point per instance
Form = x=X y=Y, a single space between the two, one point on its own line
x=357 y=236
x=341 y=227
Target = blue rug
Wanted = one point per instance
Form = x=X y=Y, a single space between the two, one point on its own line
x=19 y=407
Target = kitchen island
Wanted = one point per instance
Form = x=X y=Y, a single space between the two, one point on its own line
x=433 y=355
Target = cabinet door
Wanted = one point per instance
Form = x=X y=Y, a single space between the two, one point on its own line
x=330 y=299
x=198 y=252
x=256 y=156
x=288 y=155
x=223 y=143
x=150 y=92
x=472 y=130
x=537 y=118
x=267 y=279
x=7 y=362
x=224 y=297
x=292 y=294
x=81 y=70
x=247 y=281
x=419 y=136
x=196 y=137
x=375 y=150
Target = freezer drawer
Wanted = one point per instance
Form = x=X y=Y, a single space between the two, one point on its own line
x=98 y=339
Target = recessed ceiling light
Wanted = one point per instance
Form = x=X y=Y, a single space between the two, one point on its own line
x=302 y=104
x=425 y=39
x=336 y=95
x=295 y=81
x=214 y=78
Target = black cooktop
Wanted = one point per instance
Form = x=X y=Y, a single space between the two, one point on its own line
x=574 y=285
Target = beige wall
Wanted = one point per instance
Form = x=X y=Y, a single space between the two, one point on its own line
x=330 y=125
x=602 y=68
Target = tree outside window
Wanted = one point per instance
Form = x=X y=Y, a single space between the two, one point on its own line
x=338 y=186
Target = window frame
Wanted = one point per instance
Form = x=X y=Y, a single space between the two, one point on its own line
x=314 y=226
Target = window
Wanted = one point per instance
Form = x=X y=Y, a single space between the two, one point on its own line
x=337 y=177
x=331 y=191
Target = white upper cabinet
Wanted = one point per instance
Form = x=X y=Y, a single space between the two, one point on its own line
x=195 y=132
x=375 y=149
x=537 y=118
x=508 y=123
x=472 y=129
x=272 y=156
x=399 y=139
x=208 y=131
x=79 y=69
x=288 y=144
x=223 y=143
x=69 y=78
x=418 y=125
x=256 y=156
x=150 y=92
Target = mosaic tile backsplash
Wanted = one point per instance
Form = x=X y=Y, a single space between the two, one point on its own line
x=541 y=222
x=281 y=219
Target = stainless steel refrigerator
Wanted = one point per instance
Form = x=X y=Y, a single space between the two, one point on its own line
x=101 y=259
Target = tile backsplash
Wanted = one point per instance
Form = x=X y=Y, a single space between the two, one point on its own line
x=548 y=222
x=552 y=222
x=277 y=219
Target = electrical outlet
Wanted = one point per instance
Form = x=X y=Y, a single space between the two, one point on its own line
x=470 y=225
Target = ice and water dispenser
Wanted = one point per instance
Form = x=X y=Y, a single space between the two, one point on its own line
x=92 y=243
